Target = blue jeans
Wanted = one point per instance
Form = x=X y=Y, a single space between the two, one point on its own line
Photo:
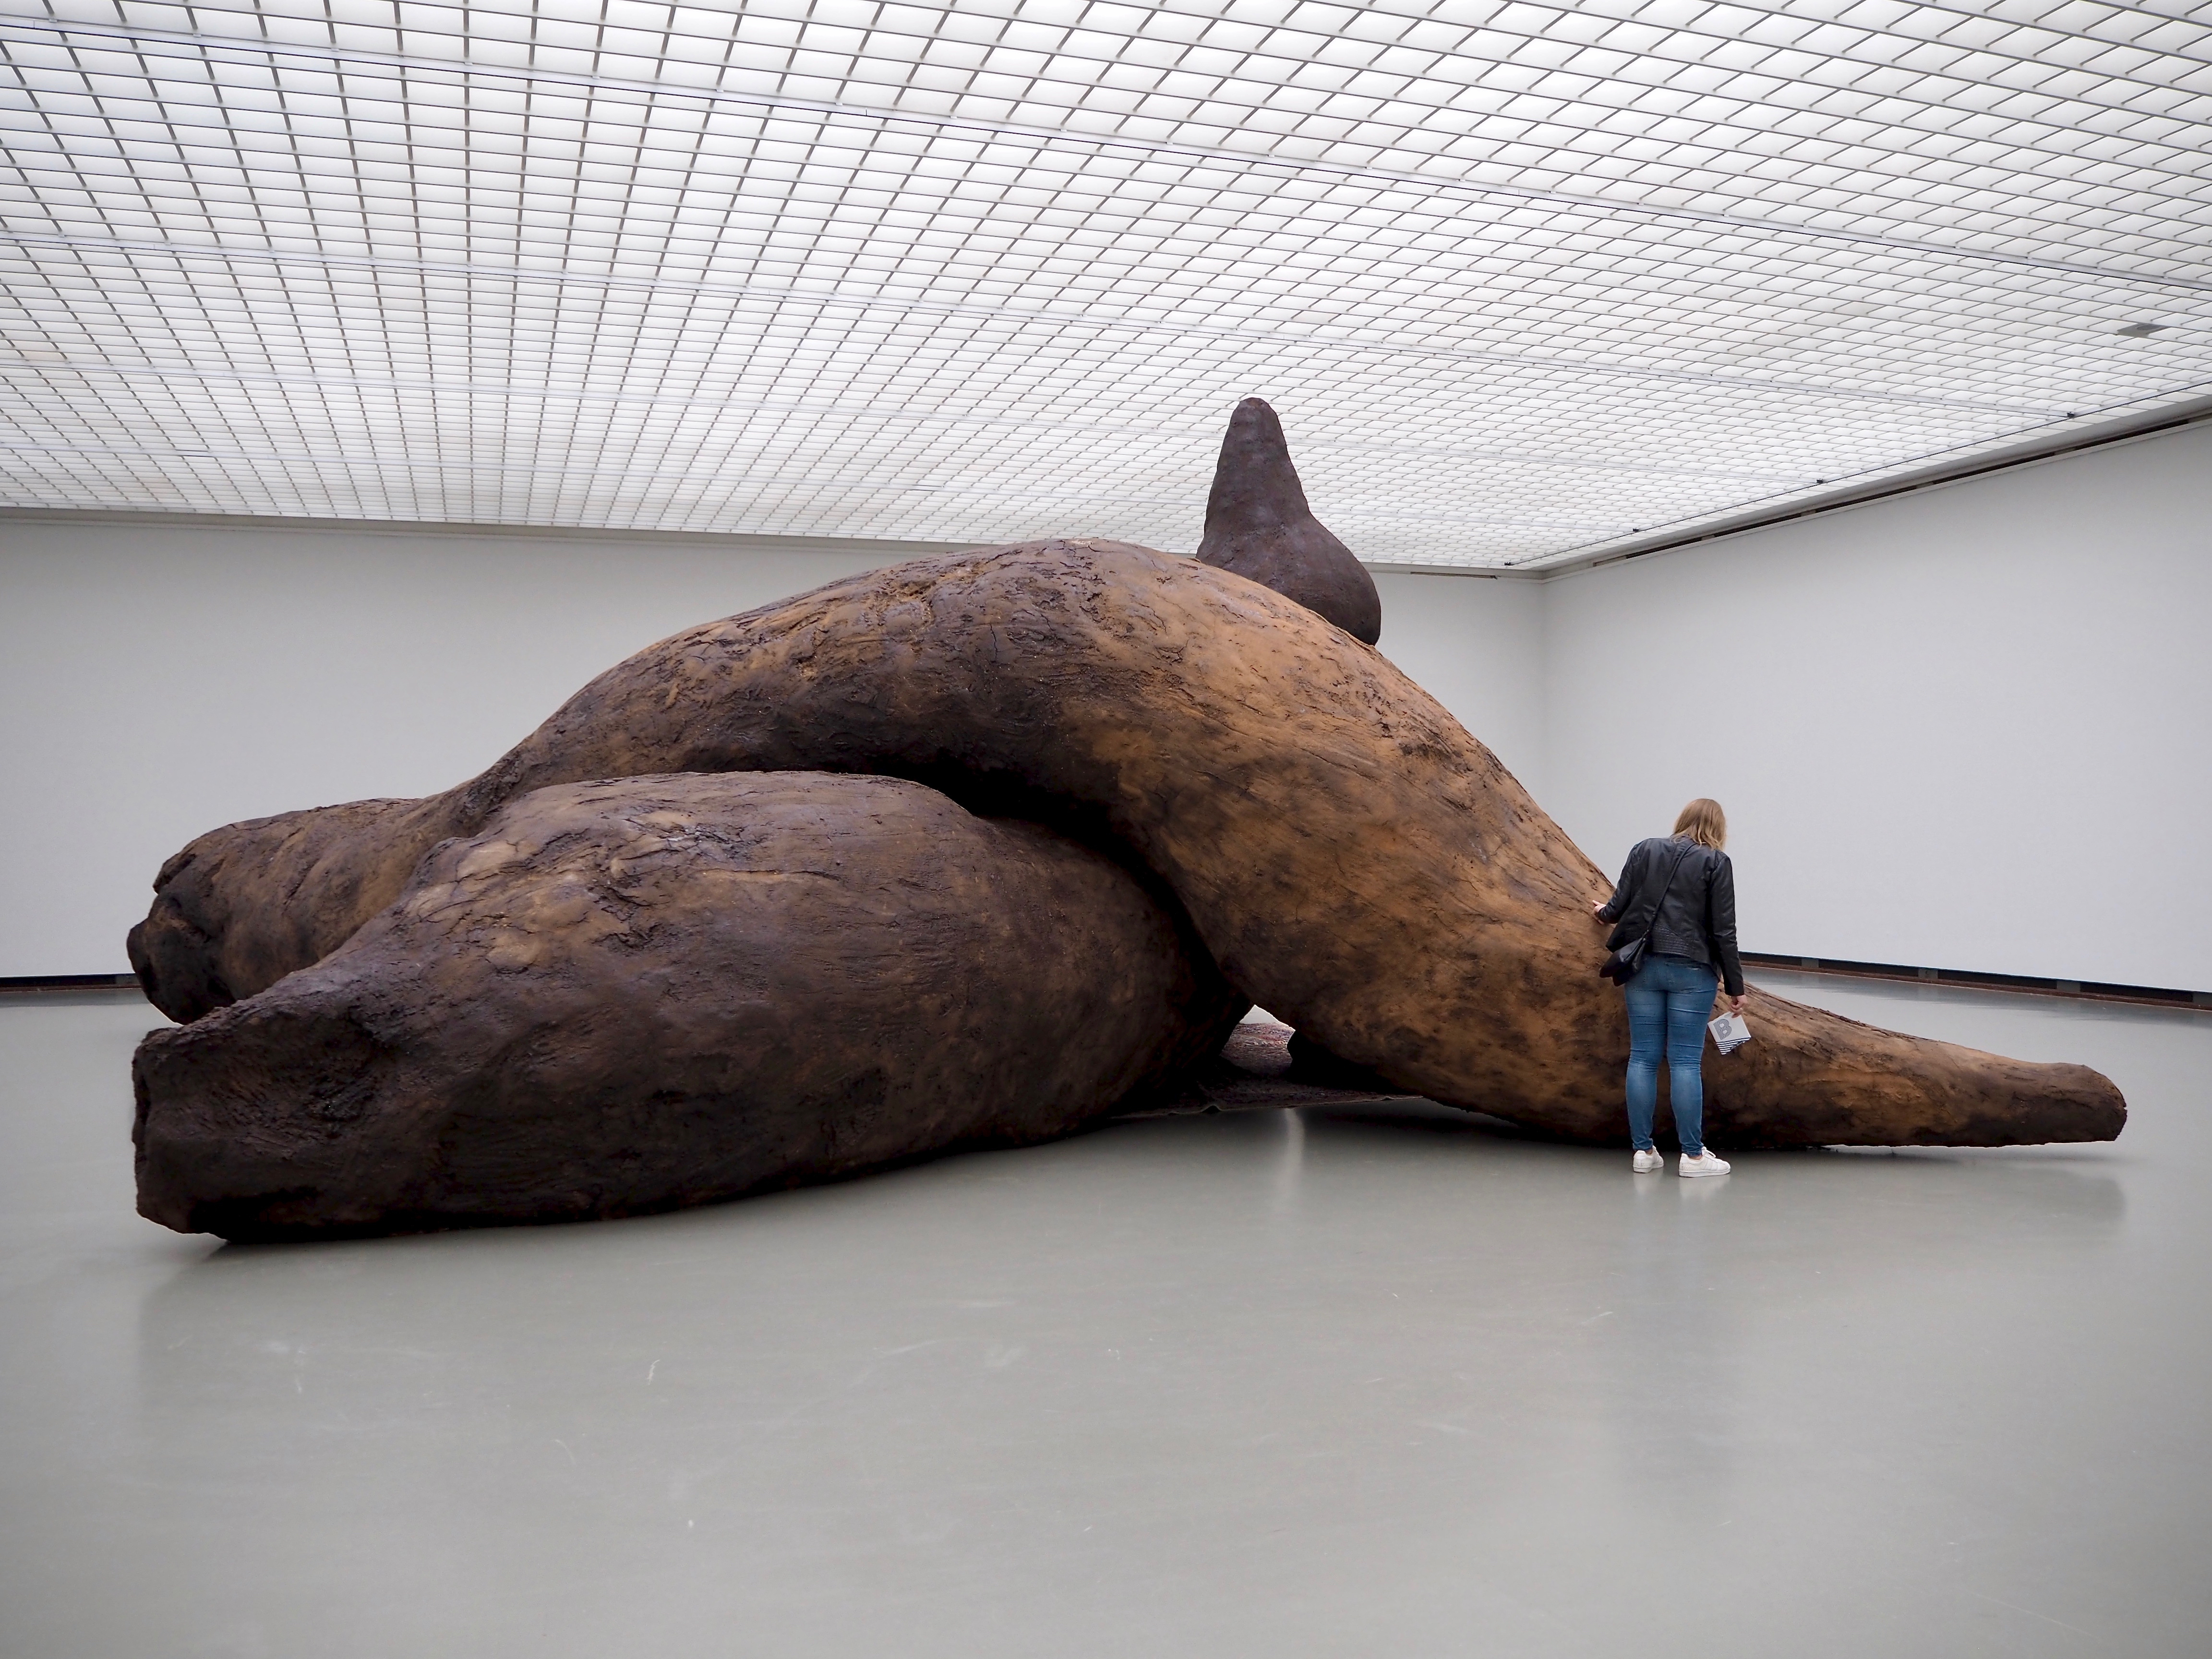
x=1669 y=1001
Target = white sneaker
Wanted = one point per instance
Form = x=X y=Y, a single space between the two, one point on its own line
x=1645 y=1161
x=1704 y=1163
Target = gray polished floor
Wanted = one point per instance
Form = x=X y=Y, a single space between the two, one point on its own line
x=1266 y=1384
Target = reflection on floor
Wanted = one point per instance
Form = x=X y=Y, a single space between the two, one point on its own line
x=1328 y=1383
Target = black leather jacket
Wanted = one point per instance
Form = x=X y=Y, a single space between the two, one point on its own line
x=1697 y=919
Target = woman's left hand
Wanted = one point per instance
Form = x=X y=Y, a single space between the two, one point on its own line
x=1597 y=909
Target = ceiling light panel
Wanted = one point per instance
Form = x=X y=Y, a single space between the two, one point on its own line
x=1520 y=278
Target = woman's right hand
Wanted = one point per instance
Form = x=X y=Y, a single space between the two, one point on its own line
x=1597 y=909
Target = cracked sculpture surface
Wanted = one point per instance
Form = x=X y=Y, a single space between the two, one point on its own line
x=632 y=995
x=1092 y=801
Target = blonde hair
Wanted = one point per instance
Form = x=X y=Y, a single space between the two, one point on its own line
x=1704 y=823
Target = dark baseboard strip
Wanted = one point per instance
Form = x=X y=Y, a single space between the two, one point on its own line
x=2084 y=990
x=36 y=983
x=2148 y=995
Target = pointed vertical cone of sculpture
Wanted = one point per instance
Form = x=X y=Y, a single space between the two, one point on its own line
x=1258 y=525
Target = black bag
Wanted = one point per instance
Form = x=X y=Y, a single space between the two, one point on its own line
x=1620 y=967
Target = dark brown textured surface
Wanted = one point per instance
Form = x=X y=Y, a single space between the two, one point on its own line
x=629 y=996
x=1258 y=525
x=1352 y=858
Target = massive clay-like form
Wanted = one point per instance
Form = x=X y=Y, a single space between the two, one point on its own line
x=1258 y=525
x=627 y=996
x=1351 y=858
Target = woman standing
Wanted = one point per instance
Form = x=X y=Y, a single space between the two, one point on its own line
x=1680 y=889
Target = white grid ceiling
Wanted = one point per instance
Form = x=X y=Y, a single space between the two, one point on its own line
x=1521 y=278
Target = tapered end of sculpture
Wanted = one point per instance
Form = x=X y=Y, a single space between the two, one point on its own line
x=169 y=954
x=213 y=935
x=1258 y=526
x=2086 y=1105
x=248 y=1126
x=1814 y=1077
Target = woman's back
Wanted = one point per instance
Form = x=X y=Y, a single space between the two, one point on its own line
x=1697 y=916
x=1677 y=895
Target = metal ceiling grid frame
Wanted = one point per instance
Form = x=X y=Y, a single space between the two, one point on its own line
x=1522 y=279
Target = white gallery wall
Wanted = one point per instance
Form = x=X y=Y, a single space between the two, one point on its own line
x=1476 y=644
x=162 y=676
x=1970 y=727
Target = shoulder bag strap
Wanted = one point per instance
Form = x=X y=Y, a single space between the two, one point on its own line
x=1665 y=888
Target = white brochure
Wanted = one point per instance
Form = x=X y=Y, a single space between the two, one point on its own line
x=1730 y=1032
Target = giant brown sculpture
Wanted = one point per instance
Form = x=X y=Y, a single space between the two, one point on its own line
x=1349 y=856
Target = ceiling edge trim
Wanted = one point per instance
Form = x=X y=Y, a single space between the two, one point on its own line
x=2150 y=424
x=737 y=541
